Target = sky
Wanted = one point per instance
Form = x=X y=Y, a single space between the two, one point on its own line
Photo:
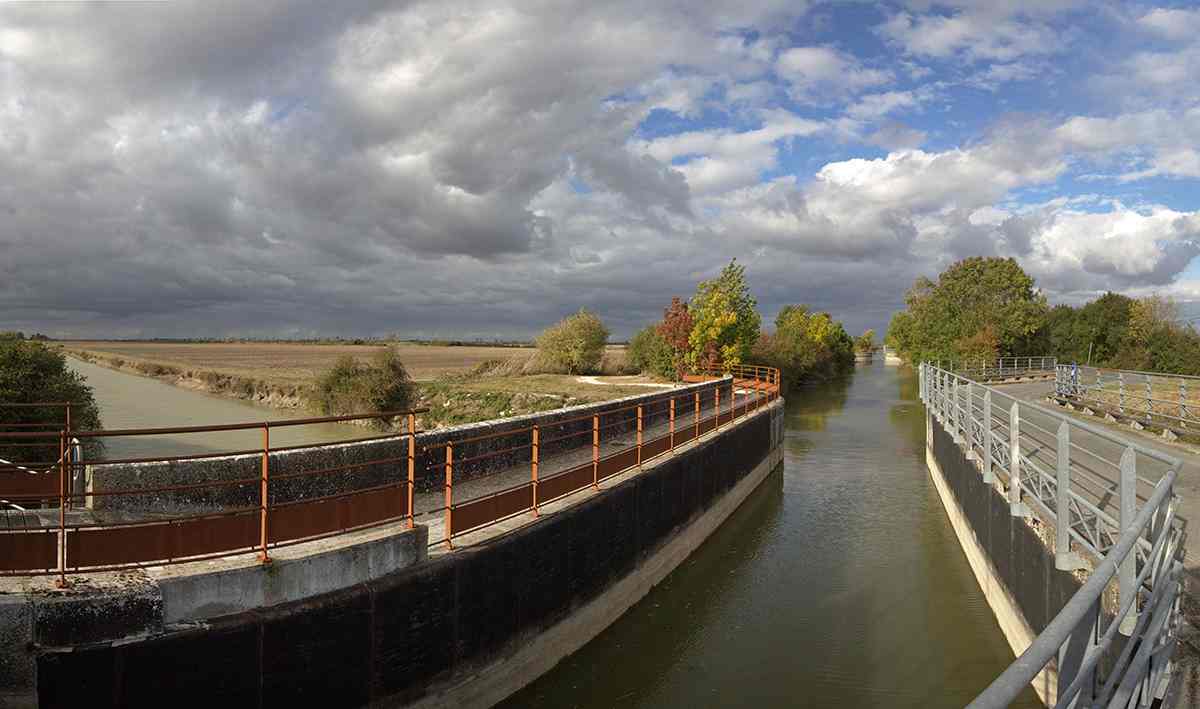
x=480 y=169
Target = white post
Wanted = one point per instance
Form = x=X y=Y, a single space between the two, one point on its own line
x=1127 y=572
x=1062 y=500
x=1014 y=461
x=987 y=436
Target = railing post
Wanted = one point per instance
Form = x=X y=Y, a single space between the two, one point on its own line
x=1127 y=571
x=1014 y=462
x=70 y=460
x=987 y=436
x=412 y=443
x=955 y=416
x=672 y=426
x=1121 y=392
x=596 y=450
x=717 y=405
x=970 y=410
x=449 y=491
x=639 y=435
x=698 y=413
x=265 y=495
x=61 y=582
x=1182 y=399
x=1062 y=501
x=533 y=468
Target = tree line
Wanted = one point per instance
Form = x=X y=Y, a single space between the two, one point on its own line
x=720 y=327
x=983 y=308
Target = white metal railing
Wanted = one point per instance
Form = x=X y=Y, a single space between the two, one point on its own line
x=1163 y=399
x=1002 y=368
x=1112 y=504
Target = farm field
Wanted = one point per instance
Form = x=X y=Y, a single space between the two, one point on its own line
x=288 y=364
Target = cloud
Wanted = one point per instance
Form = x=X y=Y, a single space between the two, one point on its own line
x=975 y=36
x=1172 y=23
x=817 y=73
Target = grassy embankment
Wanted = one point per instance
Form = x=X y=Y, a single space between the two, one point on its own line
x=459 y=384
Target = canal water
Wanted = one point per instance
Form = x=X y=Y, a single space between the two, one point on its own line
x=130 y=401
x=839 y=583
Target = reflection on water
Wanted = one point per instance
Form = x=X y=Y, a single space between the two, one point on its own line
x=130 y=401
x=839 y=583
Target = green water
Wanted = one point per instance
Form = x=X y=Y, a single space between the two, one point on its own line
x=129 y=401
x=839 y=583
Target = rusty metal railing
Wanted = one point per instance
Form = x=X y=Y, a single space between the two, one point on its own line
x=680 y=418
x=259 y=524
x=261 y=503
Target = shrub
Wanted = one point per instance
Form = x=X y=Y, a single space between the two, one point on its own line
x=805 y=345
x=574 y=345
x=355 y=387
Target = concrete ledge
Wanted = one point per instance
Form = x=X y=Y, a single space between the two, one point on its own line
x=234 y=586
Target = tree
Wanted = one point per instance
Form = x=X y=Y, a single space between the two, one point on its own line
x=968 y=296
x=575 y=344
x=33 y=373
x=355 y=387
x=676 y=331
x=865 y=342
x=805 y=345
x=649 y=352
x=725 y=323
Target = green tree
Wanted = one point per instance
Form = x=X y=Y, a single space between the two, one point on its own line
x=650 y=353
x=33 y=373
x=725 y=323
x=805 y=345
x=968 y=296
x=865 y=342
x=575 y=344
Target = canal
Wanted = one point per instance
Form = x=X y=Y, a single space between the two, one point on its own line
x=130 y=401
x=839 y=583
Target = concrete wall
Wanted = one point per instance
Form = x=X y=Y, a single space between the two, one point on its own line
x=1013 y=565
x=365 y=456
x=464 y=629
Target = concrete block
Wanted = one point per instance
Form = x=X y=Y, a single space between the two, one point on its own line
x=1136 y=426
x=1169 y=435
x=1110 y=418
x=1088 y=411
x=87 y=615
x=18 y=669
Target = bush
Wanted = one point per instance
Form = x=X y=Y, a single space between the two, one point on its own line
x=31 y=373
x=354 y=387
x=805 y=346
x=650 y=353
x=575 y=345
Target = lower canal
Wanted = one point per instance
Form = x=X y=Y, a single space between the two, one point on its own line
x=839 y=583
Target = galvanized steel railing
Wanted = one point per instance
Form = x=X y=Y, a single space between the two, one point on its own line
x=1064 y=472
x=1161 y=399
x=1002 y=368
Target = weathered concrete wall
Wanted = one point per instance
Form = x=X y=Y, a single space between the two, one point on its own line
x=462 y=629
x=1014 y=567
x=375 y=462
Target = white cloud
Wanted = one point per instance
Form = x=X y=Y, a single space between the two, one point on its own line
x=971 y=35
x=1172 y=23
x=820 y=73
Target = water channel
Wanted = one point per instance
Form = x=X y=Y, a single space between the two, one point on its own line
x=838 y=583
x=130 y=401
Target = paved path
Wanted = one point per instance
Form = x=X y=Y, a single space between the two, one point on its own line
x=1104 y=486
